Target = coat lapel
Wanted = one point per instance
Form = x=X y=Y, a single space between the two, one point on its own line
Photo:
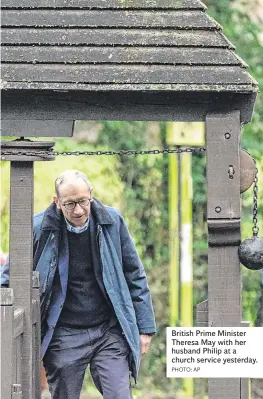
x=63 y=262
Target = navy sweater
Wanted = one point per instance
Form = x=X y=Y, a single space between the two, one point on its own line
x=85 y=305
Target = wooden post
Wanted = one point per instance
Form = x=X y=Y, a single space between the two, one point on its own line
x=22 y=155
x=21 y=258
x=224 y=274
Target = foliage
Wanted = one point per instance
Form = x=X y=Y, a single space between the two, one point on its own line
x=101 y=171
x=143 y=196
x=246 y=36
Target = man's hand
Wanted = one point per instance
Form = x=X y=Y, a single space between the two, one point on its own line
x=145 y=342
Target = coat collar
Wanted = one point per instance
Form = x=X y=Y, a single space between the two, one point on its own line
x=53 y=218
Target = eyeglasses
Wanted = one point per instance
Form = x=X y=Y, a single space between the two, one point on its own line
x=72 y=204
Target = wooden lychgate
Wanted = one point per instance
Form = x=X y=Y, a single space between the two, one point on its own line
x=67 y=60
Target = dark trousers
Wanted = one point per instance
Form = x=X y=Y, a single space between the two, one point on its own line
x=70 y=352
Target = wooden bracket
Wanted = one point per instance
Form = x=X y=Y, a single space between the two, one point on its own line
x=202 y=315
x=223 y=232
x=37 y=128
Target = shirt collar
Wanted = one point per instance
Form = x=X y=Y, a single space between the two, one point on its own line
x=77 y=230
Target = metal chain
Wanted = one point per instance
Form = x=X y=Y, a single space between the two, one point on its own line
x=178 y=150
x=255 y=228
x=135 y=152
x=120 y=153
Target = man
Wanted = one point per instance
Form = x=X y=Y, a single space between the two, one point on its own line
x=95 y=302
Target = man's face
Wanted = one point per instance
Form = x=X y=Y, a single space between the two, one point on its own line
x=76 y=190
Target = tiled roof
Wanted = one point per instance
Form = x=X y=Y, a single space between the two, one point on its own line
x=117 y=45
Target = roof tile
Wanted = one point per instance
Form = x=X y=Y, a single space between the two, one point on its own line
x=76 y=44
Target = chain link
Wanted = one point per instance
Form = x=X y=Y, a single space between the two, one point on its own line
x=255 y=228
x=134 y=152
x=178 y=150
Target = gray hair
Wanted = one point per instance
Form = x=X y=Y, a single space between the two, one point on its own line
x=70 y=175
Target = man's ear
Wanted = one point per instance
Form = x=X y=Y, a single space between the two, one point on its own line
x=55 y=199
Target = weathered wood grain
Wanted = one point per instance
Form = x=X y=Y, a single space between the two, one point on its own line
x=125 y=74
x=224 y=275
x=224 y=388
x=7 y=314
x=7 y=296
x=35 y=279
x=105 y=37
x=127 y=103
x=36 y=336
x=108 y=18
x=124 y=55
x=34 y=311
x=48 y=128
x=219 y=230
x=104 y=4
x=120 y=38
x=21 y=256
x=247 y=89
x=18 y=322
x=223 y=191
x=15 y=360
x=18 y=359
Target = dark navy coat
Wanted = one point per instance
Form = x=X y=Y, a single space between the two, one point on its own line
x=122 y=278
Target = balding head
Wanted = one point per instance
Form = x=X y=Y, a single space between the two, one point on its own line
x=71 y=176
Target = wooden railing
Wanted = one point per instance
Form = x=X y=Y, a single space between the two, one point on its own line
x=12 y=331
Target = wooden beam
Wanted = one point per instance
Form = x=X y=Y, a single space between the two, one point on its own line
x=38 y=128
x=119 y=105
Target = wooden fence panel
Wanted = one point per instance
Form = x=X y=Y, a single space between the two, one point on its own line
x=7 y=314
